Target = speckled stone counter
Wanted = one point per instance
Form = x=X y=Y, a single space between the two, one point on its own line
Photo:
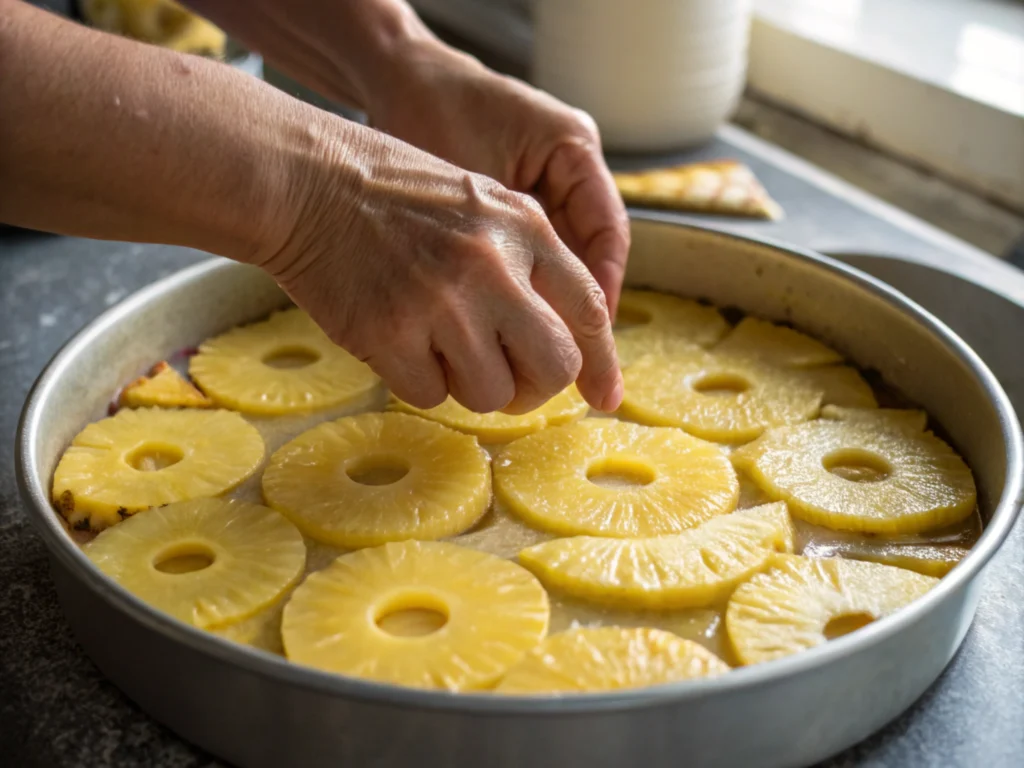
x=56 y=710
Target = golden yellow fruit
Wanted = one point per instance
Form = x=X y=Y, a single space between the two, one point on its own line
x=728 y=400
x=776 y=345
x=499 y=427
x=421 y=614
x=164 y=387
x=653 y=480
x=282 y=365
x=364 y=480
x=692 y=569
x=799 y=603
x=657 y=323
x=854 y=476
x=930 y=559
x=878 y=418
x=609 y=659
x=207 y=562
x=148 y=457
x=843 y=386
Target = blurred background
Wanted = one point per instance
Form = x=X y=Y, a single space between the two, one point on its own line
x=919 y=102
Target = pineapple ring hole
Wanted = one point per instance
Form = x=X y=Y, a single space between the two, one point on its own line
x=630 y=317
x=721 y=384
x=621 y=472
x=184 y=558
x=847 y=623
x=152 y=457
x=377 y=470
x=857 y=466
x=290 y=357
x=411 y=615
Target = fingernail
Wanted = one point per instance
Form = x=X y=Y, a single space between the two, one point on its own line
x=614 y=400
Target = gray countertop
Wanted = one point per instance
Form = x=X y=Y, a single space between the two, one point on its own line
x=57 y=710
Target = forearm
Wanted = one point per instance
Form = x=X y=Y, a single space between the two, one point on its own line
x=356 y=52
x=103 y=137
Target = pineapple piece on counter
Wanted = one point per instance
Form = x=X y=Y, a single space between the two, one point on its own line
x=725 y=187
x=609 y=659
x=658 y=323
x=421 y=614
x=653 y=480
x=776 y=345
x=149 y=457
x=207 y=562
x=365 y=480
x=692 y=569
x=854 y=476
x=283 y=365
x=161 y=22
x=843 y=386
x=879 y=418
x=498 y=427
x=164 y=387
x=799 y=603
x=724 y=399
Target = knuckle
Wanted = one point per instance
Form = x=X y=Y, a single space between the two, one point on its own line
x=591 y=313
x=586 y=125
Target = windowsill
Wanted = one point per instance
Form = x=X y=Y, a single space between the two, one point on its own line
x=937 y=82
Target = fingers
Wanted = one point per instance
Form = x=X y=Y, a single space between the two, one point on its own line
x=412 y=372
x=574 y=294
x=476 y=370
x=587 y=212
x=541 y=350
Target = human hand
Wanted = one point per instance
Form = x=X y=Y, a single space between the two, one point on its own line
x=450 y=105
x=442 y=280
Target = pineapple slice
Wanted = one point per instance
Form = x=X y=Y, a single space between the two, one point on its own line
x=364 y=480
x=692 y=569
x=149 y=457
x=843 y=386
x=878 y=418
x=612 y=478
x=609 y=659
x=279 y=366
x=498 y=427
x=854 y=476
x=799 y=603
x=776 y=345
x=657 y=323
x=164 y=387
x=724 y=399
x=931 y=560
x=207 y=562
x=421 y=614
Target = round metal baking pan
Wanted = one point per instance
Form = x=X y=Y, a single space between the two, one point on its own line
x=254 y=709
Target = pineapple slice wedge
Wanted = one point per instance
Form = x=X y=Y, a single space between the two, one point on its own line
x=724 y=399
x=843 y=386
x=879 y=418
x=692 y=569
x=282 y=365
x=207 y=562
x=365 y=480
x=589 y=660
x=498 y=427
x=799 y=603
x=149 y=457
x=658 y=480
x=420 y=614
x=776 y=345
x=854 y=476
x=164 y=387
x=658 y=323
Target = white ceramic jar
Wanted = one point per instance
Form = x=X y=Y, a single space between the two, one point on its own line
x=654 y=74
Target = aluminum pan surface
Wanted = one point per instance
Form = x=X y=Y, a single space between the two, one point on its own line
x=40 y=438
